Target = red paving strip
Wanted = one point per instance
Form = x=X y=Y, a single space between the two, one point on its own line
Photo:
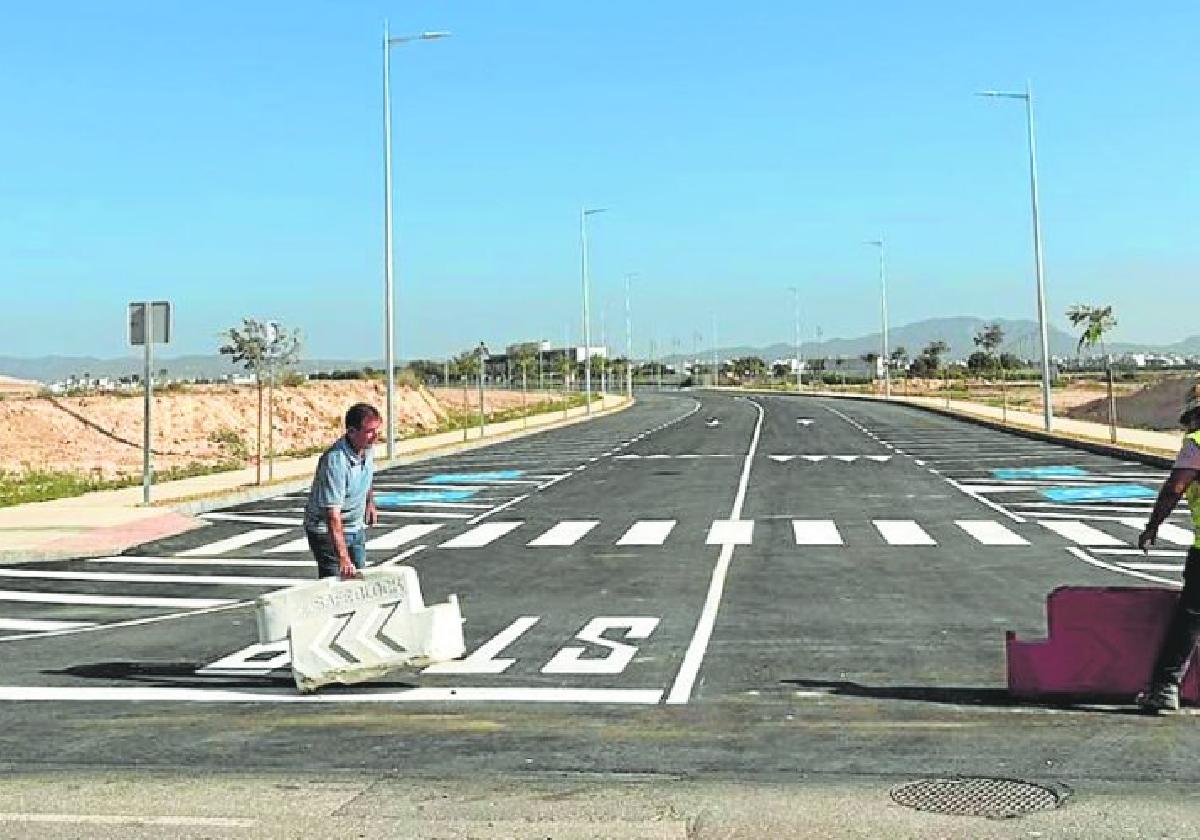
x=114 y=539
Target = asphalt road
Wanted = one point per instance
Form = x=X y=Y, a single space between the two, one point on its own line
x=704 y=585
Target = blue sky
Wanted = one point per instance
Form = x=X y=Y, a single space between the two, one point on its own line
x=228 y=157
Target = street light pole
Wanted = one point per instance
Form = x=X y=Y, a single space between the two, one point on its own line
x=628 y=342
x=796 y=299
x=389 y=328
x=887 y=369
x=587 y=315
x=1047 y=408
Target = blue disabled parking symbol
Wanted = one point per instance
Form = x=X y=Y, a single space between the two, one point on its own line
x=1038 y=472
x=412 y=497
x=474 y=478
x=1101 y=493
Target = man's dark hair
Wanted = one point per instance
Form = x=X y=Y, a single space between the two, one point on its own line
x=360 y=412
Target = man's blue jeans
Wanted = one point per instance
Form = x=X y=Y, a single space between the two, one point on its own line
x=328 y=564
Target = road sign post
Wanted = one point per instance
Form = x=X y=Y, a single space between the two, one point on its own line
x=149 y=321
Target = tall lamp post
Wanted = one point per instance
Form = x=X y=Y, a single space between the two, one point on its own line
x=887 y=368
x=796 y=299
x=1027 y=96
x=587 y=314
x=628 y=342
x=388 y=296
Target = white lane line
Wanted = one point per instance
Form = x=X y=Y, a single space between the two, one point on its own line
x=1171 y=533
x=403 y=534
x=1080 y=554
x=137 y=577
x=109 y=600
x=252 y=518
x=1153 y=567
x=204 y=561
x=983 y=501
x=290 y=547
x=421 y=514
x=481 y=535
x=451 y=505
x=41 y=624
x=404 y=555
x=1137 y=552
x=681 y=689
x=564 y=534
x=990 y=533
x=731 y=532
x=902 y=532
x=816 y=532
x=648 y=532
x=507 y=505
x=233 y=543
x=1078 y=532
x=534 y=694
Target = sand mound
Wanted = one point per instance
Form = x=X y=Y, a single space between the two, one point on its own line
x=1154 y=407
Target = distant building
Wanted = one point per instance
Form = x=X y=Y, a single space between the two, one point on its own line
x=10 y=386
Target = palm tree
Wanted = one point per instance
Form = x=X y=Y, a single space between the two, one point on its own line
x=1096 y=321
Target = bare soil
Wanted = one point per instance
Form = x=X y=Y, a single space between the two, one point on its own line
x=102 y=434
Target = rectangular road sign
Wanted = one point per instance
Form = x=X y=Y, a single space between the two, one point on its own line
x=161 y=316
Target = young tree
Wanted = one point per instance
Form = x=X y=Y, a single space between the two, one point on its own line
x=257 y=345
x=1095 y=322
x=988 y=338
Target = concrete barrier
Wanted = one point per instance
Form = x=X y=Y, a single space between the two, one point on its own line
x=1101 y=644
x=349 y=631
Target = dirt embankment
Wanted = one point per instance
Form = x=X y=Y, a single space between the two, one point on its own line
x=102 y=434
x=1153 y=407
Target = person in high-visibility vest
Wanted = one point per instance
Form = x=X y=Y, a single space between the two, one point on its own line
x=1162 y=694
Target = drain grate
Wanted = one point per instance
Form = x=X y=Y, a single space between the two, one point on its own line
x=977 y=797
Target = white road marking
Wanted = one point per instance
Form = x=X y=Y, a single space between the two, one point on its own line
x=131 y=820
x=253 y=518
x=481 y=535
x=731 y=532
x=422 y=514
x=126 y=694
x=816 y=532
x=990 y=533
x=783 y=459
x=1137 y=552
x=135 y=577
x=849 y=459
x=403 y=534
x=814 y=458
x=564 y=534
x=1080 y=554
x=204 y=561
x=570 y=660
x=484 y=659
x=681 y=689
x=110 y=600
x=290 y=547
x=903 y=532
x=648 y=532
x=233 y=543
x=1171 y=533
x=1078 y=532
x=404 y=555
x=40 y=624
x=1154 y=567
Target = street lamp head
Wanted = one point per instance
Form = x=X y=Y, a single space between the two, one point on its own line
x=424 y=36
x=1002 y=94
x=433 y=36
x=878 y=243
x=595 y=210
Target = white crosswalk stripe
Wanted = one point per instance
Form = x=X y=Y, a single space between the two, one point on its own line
x=400 y=536
x=481 y=535
x=902 y=532
x=564 y=534
x=1081 y=533
x=648 y=532
x=816 y=532
x=988 y=532
x=233 y=543
x=731 y=532
x=290 y=547
x=30 y=624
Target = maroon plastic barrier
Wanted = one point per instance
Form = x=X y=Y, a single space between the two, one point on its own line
x=1101 y=644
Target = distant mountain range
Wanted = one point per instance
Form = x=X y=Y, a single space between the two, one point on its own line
x=1020 y=338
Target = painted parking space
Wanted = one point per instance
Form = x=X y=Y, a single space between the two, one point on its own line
x=1109 y=492
x=1012 y=473
x=474 y=477
x=399 y=499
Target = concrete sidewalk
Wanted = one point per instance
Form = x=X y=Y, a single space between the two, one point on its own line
x=111 y=521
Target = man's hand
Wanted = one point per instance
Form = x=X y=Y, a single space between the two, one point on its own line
x=346 y=569
x=1148 y=537
x=372 y=516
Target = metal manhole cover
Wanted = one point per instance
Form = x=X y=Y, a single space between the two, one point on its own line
x=977 y=797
